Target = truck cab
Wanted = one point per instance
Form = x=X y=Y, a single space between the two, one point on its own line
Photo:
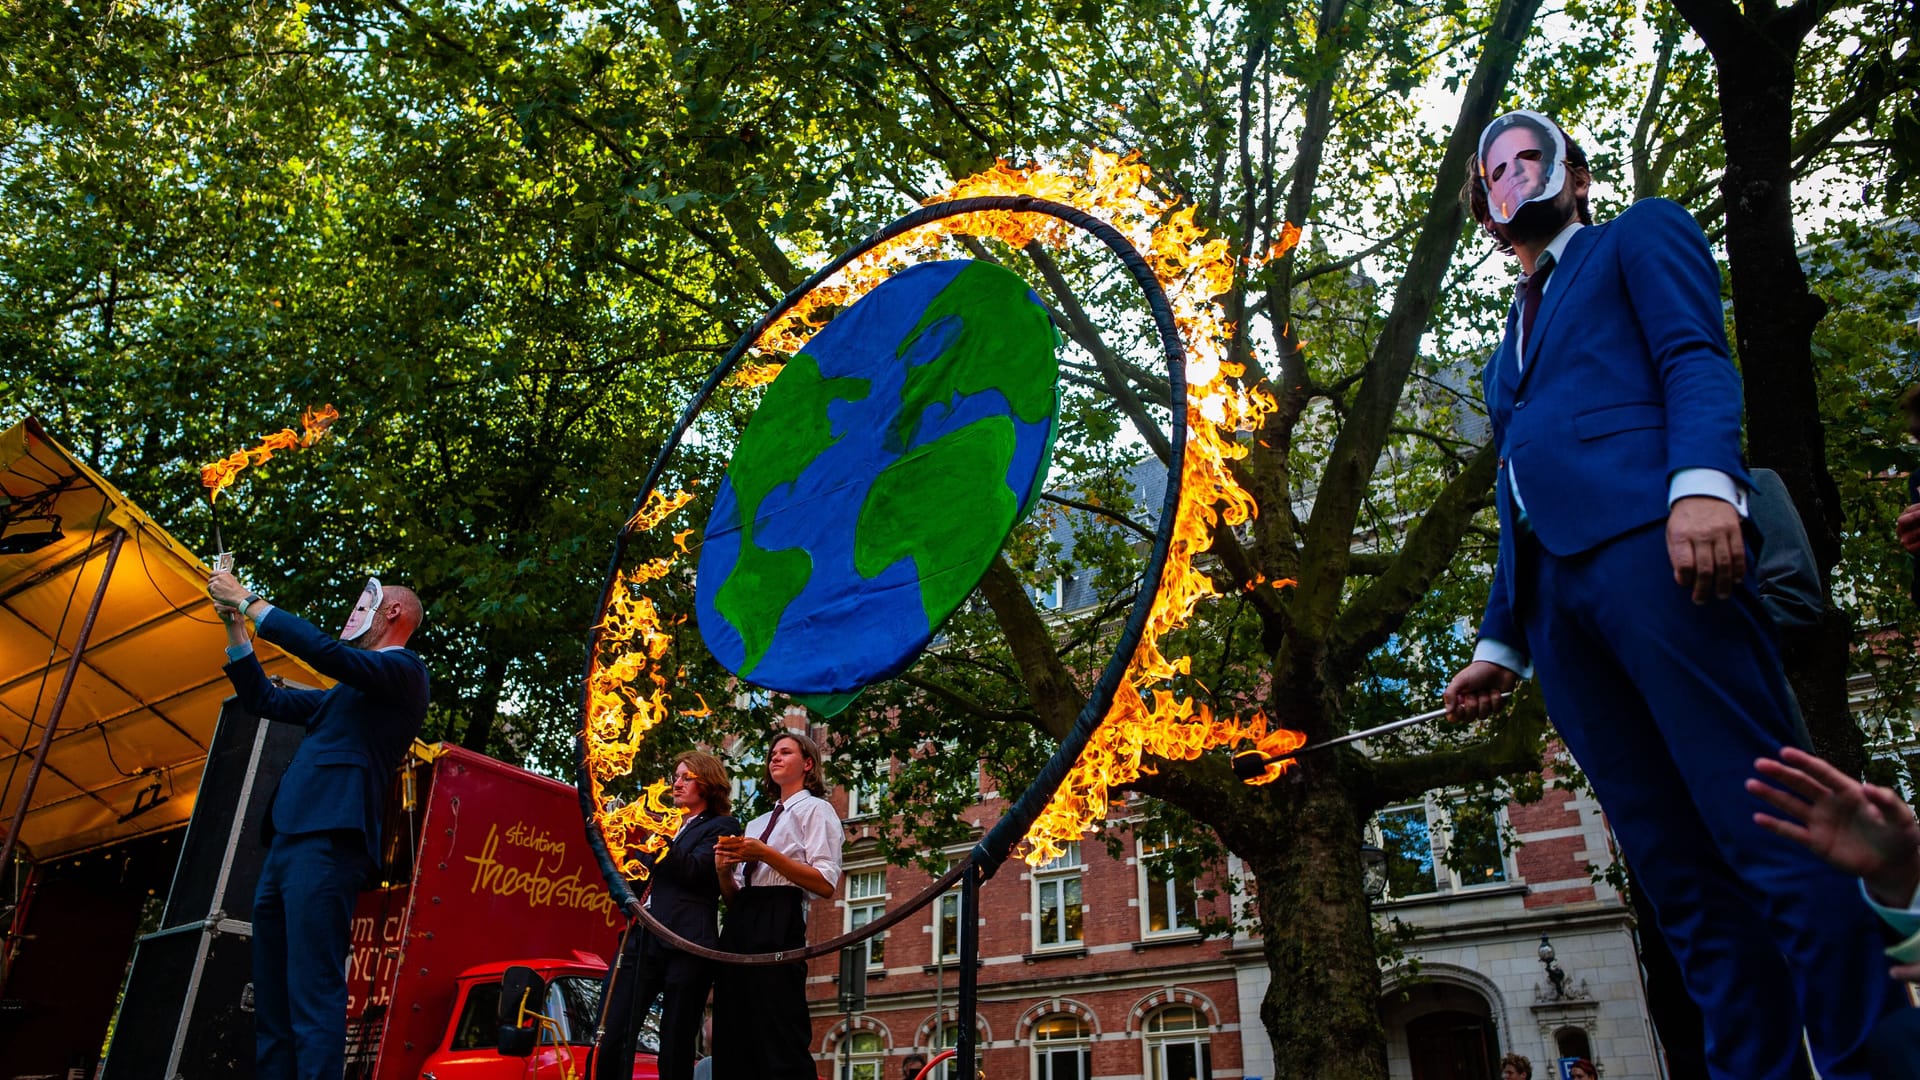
x=563 y=1007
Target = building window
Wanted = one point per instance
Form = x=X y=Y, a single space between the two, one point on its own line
x=748 y=769
x=1473 y=844
x=862 y=1057
x=1062 y=1048
x=1409 y=846
x=949 y=1038
x=864 y=798
x=867 y=901
x=1171 y=902
x=1056 y=900
x=946 y=926
x=1434 y=845
x=1177 y=1047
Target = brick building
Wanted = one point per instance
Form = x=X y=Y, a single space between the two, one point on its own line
x=1091 y=966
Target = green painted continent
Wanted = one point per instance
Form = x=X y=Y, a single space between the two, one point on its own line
x=945 y=504
x=1003 y=338
x=763 y=583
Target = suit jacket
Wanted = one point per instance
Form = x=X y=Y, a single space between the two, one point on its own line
x=357 y=732
x=684 y=890
x=1627 y=380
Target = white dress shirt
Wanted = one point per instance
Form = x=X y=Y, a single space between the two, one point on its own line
x=808 y=832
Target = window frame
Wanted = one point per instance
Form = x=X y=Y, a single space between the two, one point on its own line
x=1043 y=1048
x=1069 y=868
x=1166 y=888
x=1156 y=1042
x=1437 y=814
x=873 y=905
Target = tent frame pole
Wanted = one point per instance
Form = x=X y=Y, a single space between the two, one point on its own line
x=60 y=701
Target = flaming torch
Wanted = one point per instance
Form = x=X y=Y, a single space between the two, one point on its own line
x=220 y=475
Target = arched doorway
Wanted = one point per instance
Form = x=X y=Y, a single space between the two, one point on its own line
x=1451 y=1045
x=1440 y=1029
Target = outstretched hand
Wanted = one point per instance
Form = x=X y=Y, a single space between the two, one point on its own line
x=1862 y=829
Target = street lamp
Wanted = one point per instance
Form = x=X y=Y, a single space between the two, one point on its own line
x=1555 y=976
x=1373 y=873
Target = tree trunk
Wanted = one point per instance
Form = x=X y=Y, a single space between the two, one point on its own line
x=1774 y=315
x=1321 y=1008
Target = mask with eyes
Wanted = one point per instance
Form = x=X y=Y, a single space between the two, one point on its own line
x=363 y=611
x=1523 y=159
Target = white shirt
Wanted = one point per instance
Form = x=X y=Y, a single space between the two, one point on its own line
x=808 y=832
x=1683 y=482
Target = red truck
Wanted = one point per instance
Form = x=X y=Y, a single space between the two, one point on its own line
x=503 y=891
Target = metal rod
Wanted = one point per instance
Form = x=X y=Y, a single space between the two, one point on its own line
x=1252 y=763
x=60 y=700
x=969 y=968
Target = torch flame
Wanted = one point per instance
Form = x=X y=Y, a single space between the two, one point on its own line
x=1148 y=716
x=314 y=423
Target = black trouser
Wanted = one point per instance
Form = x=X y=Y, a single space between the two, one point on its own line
x=761 y=1029
x=654 y=969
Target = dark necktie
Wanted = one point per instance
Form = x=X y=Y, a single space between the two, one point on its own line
x=1531 y=290
x=751 y=865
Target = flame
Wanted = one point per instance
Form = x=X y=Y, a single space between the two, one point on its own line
x=1148 y=716
x=627 y=696
x=314 y=423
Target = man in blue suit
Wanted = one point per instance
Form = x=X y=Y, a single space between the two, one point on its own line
x=322 y=824
x=1623 y=580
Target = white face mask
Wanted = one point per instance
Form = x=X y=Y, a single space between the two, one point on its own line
x=1523 y=160
x=363 y=611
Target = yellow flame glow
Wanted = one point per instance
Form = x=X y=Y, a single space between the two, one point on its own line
x=220 y=475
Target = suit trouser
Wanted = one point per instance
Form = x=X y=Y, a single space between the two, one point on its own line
x=302 y=915
x=656 y=971
x=1666 y=704
x=761 y=1027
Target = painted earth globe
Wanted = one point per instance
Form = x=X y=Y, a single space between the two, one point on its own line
x=881 y=473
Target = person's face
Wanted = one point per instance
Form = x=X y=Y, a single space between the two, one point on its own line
x=1580 y=1073
x=687 y=794
x=787 y=765
x=1509 y=1072
x=1517 y=167
x=365 y=610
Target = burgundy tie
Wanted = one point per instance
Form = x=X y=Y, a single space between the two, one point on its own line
x=753 y=864
x=1531 y=291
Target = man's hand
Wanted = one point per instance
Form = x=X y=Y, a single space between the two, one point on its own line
x=1475 y=691
x=1705 y=546
x=1907 y=528
x=226 y=589
x=1862 y=829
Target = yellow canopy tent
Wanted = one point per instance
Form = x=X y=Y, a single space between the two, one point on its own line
x=108 y=646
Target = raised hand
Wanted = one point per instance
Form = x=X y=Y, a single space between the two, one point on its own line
x=1862 y=829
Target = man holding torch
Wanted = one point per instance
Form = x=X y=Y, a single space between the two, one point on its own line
x=322 y=824
x=1624 y=579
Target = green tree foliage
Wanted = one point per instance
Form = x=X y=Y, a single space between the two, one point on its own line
x=507 y=239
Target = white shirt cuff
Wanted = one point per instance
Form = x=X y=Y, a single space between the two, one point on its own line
x=1499 y=652
x=236 y=652
x=1709 y=482
x=1905 y=921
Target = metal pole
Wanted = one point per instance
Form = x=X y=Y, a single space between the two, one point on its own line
x=60 y=701
x=969 y=969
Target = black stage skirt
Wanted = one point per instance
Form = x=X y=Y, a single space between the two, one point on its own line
x=761 y=1030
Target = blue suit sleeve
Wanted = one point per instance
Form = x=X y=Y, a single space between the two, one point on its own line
x=1674 y=286
x=394 y=675
x=693 y=867
x=261 y=698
